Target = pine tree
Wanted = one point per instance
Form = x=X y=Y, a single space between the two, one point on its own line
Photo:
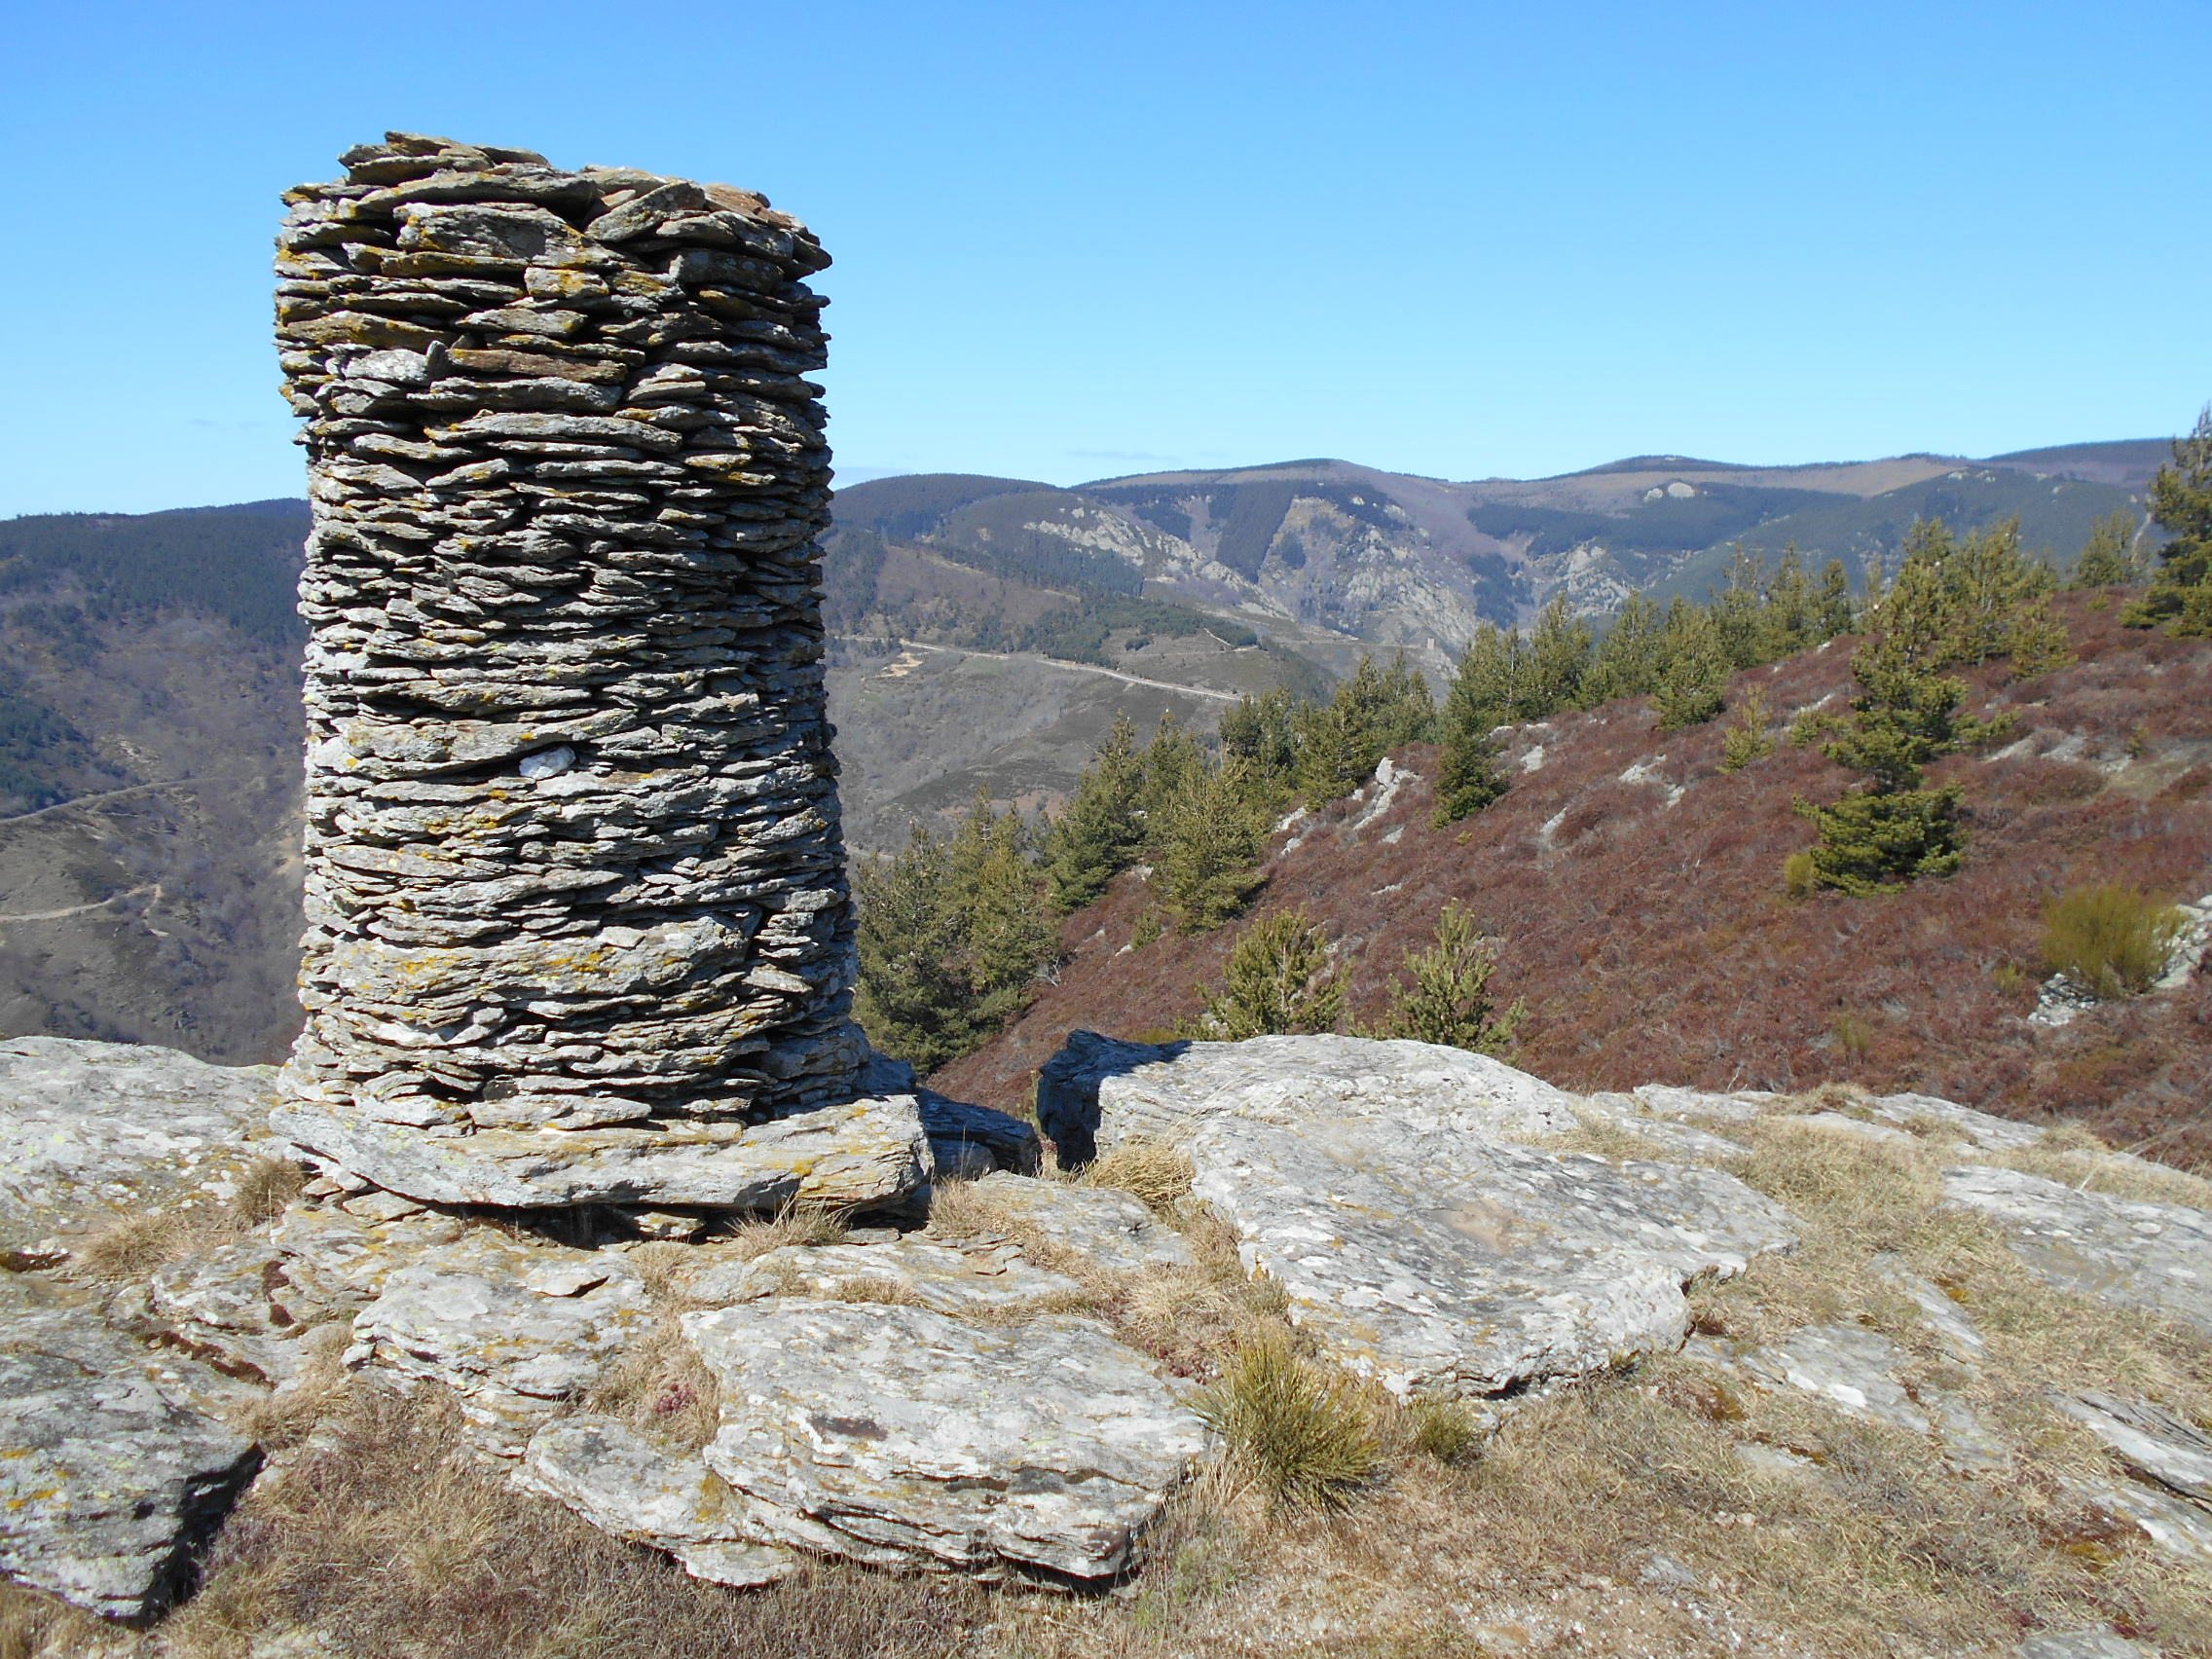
x=1170 y=760
x=1693 y=669
x=1988 y=583
x=1207 y=847
x=2181 y=504
x=1490 y=673
x=1837 y=612
x=2037 y=641
x=1374 y=711
x=1626 y=661
x=1097 y=835
x=2108 y=558
x=910 y=1000
x=1789 y=617
x=1469 y=772
x=1558 y=661
x=1263 y=733
x=1895 y=829
x=1448 y=998
x=1280 y=982
x=951 y=937
x=1738 y=610
x=1471 y=769
x=1008 y=934
x=1747 y=740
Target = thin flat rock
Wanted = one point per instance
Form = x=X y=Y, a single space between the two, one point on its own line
x=899 y=1436
x=647 y=1493
x=88 y=1129
x=1101 y=1226
x=515 y=1327
x=2154 y=1256
x=860 y=1154
x=1435 y=1263
x=975 y=1276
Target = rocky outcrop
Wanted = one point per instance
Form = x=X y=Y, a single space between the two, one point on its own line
x=1100 y=1226
x=109 y=1483
x=1442 y=1263
x=517 y=1328
x=646 y=1492
x=1098 y=1091
x=91 y=1131
x=952 y=1397
x=578 y=921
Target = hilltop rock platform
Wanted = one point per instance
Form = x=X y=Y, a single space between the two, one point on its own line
x=976 y=1391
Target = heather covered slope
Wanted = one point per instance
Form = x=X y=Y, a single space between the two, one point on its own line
x=1637 y=891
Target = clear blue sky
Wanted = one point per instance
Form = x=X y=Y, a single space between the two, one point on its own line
x=1079 y=240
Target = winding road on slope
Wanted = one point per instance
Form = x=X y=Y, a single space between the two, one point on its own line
x=1076 y=668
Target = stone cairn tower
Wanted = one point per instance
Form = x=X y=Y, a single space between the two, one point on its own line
x=578 y=923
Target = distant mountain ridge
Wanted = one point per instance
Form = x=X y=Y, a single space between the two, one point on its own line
x=1398 y=561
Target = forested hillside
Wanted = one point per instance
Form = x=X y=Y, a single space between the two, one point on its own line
x=1635 y=888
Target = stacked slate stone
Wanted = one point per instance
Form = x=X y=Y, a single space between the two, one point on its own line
x=577 y=920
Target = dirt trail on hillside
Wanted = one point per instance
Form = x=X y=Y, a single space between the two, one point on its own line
x=1078 y=668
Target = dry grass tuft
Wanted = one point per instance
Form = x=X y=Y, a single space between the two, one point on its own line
x=1305 y=1432
x=757 y=1235
x=137 y=1245
x=264 y=1188
x=1600 y=1132
x=38 y=1626
x=966 y=1209
x=662 y=1388
x=132 y=1246
x=1443 y=1431
x=1153 y=1170
x=278 y=1421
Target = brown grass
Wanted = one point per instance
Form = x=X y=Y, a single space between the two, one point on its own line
x=37 y=1626
x=1156 y=1172
x=388 y=1532
x=757 y=1235
x=133 y=1246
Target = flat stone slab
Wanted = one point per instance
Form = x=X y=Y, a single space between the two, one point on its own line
x=516 y=1329
x=865 y=1153
x=109 y=1485
x=2154 y=1256
x=1433 y=1262
x=1848 y=1366
x=2099 y=1643
x=1098 y=1091
x=2154 y=1444
x=1103 y=1226
x=985 y=1276
x=648 y=1493
x=901 y=1437
x=1983 y=1130
x=338 y=1260
x=91 y=1129
x=2175 y=1525
x=232 y=1305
